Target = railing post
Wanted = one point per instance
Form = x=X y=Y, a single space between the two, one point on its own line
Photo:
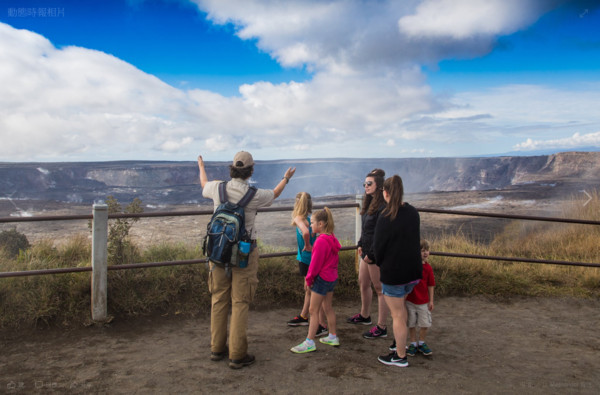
x=99 y=262
x=358 y=227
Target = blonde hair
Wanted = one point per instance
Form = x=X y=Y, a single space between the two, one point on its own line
x=325 y=216
x=302 y=206
x=424 y=245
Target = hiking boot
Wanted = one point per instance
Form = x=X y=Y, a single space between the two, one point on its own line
x=359 y=319
x=298 y=321
x=218 y=356
x=424 y=349
x=392 y=359
x=240 y=363
x=303 y=347
x=322 y=331
x=375 y=333
x=335 y=341
x=411 y=350
x=393 y=346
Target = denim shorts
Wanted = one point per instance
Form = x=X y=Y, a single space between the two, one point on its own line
x=397 y=291
x=322 y=287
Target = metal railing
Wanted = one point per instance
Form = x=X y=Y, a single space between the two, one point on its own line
x=100 y=219
x=159 y=214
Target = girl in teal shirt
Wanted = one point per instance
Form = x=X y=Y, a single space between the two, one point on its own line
x=305 y=238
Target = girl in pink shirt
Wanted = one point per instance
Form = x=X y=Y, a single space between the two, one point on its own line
x=321 y=279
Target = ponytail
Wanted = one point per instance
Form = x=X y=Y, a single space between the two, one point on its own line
x=302 y=206
x=395 y=188
x=325 y=216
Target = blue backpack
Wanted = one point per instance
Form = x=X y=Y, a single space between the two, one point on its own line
x=226 y=228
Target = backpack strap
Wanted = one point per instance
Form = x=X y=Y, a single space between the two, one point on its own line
x=243 y=201
x=247 y=197
x=222 y=191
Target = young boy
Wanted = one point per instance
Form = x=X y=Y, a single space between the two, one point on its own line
x=419 y=304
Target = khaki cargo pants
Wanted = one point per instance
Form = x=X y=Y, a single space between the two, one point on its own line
x=236 y=292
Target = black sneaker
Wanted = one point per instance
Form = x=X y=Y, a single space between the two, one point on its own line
x=298 y=321
x=392 y=359
x=393 y=346
x=322 y=331
x=375 y=333
x=240 y=363
x=359 y=319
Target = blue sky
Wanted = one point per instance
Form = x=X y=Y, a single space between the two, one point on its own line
x=168 y=80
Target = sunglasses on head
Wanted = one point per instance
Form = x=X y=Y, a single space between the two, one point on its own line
x=367 y=184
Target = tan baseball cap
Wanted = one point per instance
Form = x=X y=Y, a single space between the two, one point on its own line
x=243 y=159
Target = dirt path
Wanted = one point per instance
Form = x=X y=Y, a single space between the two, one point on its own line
x=480 y=346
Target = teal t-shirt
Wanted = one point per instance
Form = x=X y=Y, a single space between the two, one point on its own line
x=304 y=256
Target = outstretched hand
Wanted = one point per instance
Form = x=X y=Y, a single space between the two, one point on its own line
x=203 y=176
x=286 y=178
x=290 y=172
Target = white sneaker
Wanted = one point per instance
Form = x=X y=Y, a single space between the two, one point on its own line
x=304 y=347
x=332 y=341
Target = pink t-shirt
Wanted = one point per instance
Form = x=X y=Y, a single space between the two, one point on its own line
x=325 y=259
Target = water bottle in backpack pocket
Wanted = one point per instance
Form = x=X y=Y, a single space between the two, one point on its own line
x=243 y=253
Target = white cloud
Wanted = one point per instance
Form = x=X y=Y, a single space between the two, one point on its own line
x=302 y=147
x=527 y=106
x=462 y=19
x=337 y=36
x=87 y=104
x=494 y=120
x=218 y=143
x=174 y=146
x=367 y=88
x=575 y=141
x=56 y=102
x=350 y=35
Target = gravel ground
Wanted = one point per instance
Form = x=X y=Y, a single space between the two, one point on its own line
x=534 y=346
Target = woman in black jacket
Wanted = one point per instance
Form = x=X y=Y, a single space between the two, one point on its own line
x=398 y=254
x=368 y=271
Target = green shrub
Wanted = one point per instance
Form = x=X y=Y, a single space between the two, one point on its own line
x=12 y=242
x=121 y=249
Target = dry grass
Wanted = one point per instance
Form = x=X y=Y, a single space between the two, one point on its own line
x=64 y=299
x=536 y=240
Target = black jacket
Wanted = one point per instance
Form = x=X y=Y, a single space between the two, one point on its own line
x=367 y=231
x=397 y=247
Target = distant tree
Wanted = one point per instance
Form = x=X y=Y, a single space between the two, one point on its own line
x=120 y=248
x=12 y=242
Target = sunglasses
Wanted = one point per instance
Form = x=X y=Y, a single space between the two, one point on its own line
x=367 y=184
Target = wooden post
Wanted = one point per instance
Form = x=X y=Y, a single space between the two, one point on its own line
x=358 y=227
x=99 y=262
